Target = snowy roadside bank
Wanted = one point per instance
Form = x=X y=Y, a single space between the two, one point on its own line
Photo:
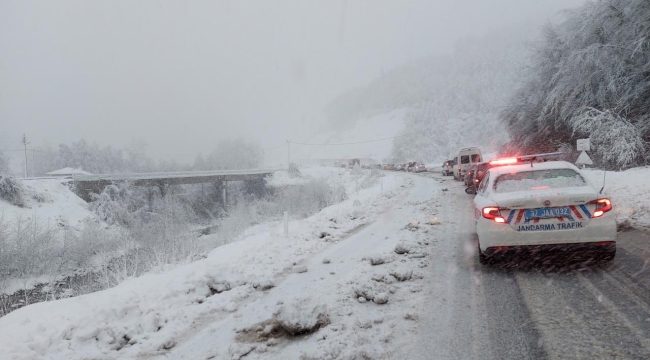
x=49 y=200
x=59 y=248
x=368 y=287
x=152 y=313
x=629 y=191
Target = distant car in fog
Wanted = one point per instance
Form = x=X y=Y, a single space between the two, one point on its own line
x=400 y=167
x=389 y=166
x=448 y=167
x=410 y=166
x=420 y=168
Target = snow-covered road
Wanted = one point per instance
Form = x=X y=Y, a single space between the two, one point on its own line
x=519 y=310
x=392 y=276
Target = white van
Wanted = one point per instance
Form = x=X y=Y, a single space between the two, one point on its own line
x=464 y=158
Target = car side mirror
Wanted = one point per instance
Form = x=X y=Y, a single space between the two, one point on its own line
x=470 y=190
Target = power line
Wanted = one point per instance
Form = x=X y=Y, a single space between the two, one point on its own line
x=351 y=143
x=40 y=151
x=275 y=147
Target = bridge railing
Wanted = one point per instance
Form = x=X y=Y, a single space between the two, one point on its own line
x=177 y=174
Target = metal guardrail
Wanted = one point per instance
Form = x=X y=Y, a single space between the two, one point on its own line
x=47 y=178
x=167 y=175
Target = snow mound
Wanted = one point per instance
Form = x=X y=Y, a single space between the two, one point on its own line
x=302 y=316
x=381 y=298
x=49 y=200
x=377 y=260
x=402 y=248
x=402 y=275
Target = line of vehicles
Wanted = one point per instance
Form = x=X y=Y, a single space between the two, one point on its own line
x=527 y=205
x=411 y=166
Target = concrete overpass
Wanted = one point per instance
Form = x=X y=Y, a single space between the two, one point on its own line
x=87 y=184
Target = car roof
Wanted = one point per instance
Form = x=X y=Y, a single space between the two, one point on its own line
x=548 y=165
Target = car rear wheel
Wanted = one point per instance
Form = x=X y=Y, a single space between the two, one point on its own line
x=482 y=258
x=608 y=255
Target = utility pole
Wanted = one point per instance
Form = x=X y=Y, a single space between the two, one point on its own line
x=33 y=166
x=25 y=145
x=288 y=154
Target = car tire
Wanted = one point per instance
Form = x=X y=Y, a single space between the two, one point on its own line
x=482 y=258
x=608 y=255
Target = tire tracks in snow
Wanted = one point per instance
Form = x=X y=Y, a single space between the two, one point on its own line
x=594 y=312
x=537 y=312
x=473 y=312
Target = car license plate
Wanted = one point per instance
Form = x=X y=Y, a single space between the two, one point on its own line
x=547 y=213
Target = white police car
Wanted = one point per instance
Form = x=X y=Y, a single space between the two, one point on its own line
x=536 y=206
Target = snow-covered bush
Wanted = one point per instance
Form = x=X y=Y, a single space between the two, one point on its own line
x=615 y=139
x=11 y=190
x=31 y=247
x=28 y=247
x=305 y=199
x=339 y=194
x=167 y=239
x=116 y=204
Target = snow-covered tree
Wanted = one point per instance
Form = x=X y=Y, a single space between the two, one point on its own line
x=589 y=78
x=4 y=163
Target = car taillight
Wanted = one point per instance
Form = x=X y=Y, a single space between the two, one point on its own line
x=602 y=206
x=494 y=213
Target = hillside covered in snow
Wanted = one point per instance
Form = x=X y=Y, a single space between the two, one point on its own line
x=436 y=105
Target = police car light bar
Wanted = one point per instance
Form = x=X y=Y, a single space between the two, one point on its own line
x=504 y=161
x=543 y=157
x=527 y=158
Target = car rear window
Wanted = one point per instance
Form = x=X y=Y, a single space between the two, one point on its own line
x=476 y=158
x=538 y=180
x=464 y=159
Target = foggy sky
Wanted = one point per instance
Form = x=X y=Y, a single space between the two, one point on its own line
x=180 y=75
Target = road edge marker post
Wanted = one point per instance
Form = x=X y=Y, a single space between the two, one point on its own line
x=286 y=224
